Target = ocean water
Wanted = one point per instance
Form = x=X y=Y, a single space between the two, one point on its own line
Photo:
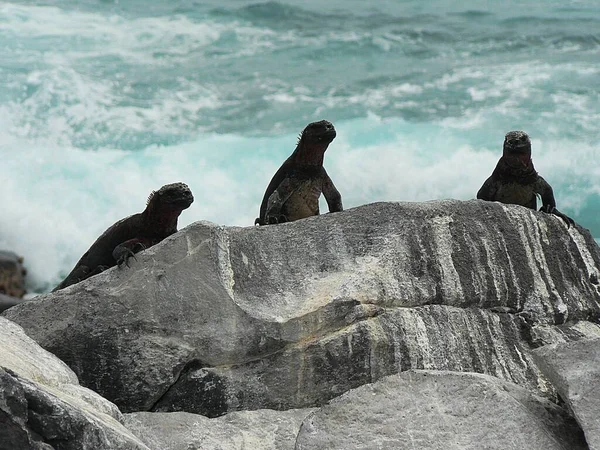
x=103 y=101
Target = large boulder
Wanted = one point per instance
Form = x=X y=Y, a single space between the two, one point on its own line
x=264 y=429
x=574 y=368
x=216 y=319
x=430 y=410
x=416 y=409
x=42 y=406
x=12 y=275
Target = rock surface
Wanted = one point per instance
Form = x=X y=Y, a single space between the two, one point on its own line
x=263 y=429
x=12 y=275
x=217 y=319
x=440 y=410
x=574 y=369
x=42 y=406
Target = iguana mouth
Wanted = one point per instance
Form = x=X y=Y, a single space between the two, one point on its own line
x=183 y=202
x=322 y=132
x=327 y=136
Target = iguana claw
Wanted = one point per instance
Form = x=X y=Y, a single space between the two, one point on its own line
x=552 y=210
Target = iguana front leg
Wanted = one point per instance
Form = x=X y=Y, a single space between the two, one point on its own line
x=80 y=273
x=549 y=203
x=276 y=202
x=126 y=250
x=487 y=191
x=332 y=195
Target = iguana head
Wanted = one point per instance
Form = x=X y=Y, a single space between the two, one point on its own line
x=313 y=142
x=174 y=196
x=321 y=132
x=517 y=149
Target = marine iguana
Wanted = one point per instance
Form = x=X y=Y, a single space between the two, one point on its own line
x=134 y=233
x=294 y=191
x=515 y=180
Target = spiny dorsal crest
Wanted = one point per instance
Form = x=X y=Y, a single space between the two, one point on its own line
x=150 y=197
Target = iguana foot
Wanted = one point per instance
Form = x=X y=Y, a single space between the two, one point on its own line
x=124 y=258
x=551 y=210
x=273 y=220
x=125 y=253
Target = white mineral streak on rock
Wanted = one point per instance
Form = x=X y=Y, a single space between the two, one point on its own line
x=517 y=289
x=486 y=260
x=490 y=264
x=378 y=338
x=529 y=234
x=492 y=323
x=543 y=227
x=451 y=286
x=417 y=336
x=224 y=260
x=584 y=252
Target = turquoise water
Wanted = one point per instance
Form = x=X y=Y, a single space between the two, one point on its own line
x=102 y=102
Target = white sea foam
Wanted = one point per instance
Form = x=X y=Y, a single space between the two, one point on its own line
x=57 y=200
x=78 y=85
x=63 y=198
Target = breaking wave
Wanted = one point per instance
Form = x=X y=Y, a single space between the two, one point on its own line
x=102 y=102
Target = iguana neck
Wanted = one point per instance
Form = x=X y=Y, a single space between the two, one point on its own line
x=309 y=154
x=160 y=219
x=518 y=172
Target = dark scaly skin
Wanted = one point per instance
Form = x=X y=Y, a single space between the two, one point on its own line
x=294 y=191
x=515 y=180
x=133 y=234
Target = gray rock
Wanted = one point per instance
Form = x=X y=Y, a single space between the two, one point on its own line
x=574 y=368
x=313 y=372
x=216 y=319
x=12 y=275
x=440 y=410
x=256 y=430
x=540 y=335
x=42 y=405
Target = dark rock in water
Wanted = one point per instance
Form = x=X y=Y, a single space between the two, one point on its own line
x=12 y=275
x=8 y=302
x=217 y=319
x=43 y=407
x=574 y=369
x=440 y=410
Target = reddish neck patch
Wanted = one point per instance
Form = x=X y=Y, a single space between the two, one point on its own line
x=525 y=160
x=310 y=154
x=162 y=219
